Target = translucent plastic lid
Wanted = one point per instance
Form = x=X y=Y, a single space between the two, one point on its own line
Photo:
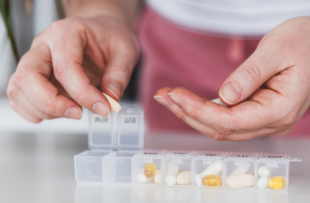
x=101 y=132
x=130 y=129
x=211 y=155
x=180 y=153
x=122 y=131
x=250 y=156
x=268 y=156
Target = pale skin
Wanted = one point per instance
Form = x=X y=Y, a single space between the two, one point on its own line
x=95 y=45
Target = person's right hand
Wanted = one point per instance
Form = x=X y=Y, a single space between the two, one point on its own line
x=67 y=60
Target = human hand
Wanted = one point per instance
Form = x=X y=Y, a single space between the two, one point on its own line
x=267 y=94
x=67 y=60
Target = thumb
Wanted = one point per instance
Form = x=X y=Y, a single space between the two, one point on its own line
x=248 y=77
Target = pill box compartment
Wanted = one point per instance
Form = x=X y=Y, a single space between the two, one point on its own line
x=273 y=171
x=146 y=168
x=175 y=163
x=121 y=132
x=239 y=171
x=88 y=166
x=207 y=169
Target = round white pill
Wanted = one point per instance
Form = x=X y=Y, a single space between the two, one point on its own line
x=198 y=180
x=172 y=172
x=141 y=178
x=171 y=180
x=262 y=183
x=264 y=171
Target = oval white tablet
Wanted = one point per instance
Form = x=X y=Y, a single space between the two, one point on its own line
x=141 y=178
x=262 y=183
x=184 y=178
x=240 y=181
x=264 y=171
x=115 y=107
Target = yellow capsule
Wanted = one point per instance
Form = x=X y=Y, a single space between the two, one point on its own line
x=212 y=180
x=277 y=183
x=150 y=170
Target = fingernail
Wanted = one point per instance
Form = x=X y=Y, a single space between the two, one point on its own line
x=230 y=93
x=161 y=100
x=101 y=109
x=175 y=98
x=115 y=89
x=74 y=113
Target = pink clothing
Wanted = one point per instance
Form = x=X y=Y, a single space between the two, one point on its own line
x=174 y=57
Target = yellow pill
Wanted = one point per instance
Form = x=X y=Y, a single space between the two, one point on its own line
x=277 y=183
x=212 y=180
x=150 y=170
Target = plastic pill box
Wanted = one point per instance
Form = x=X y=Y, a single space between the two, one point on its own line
x=116 y=155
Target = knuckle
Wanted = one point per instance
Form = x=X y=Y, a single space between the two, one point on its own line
x=12 y=92
x=253 y=75
x=21 y=76
x=218 y=136
x=226 y=129
x=49 y=108
x=59 y=69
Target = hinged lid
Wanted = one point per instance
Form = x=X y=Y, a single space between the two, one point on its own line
x=130 y=129
x=101 y=132
x=122 y=131
x=210 y=155
x=248 y=156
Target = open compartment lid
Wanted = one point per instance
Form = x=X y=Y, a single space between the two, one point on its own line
x=130 y=129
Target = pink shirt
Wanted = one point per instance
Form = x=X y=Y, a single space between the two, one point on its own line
x=173 y=57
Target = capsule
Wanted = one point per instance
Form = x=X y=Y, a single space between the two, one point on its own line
x=277 y=183
x=149 y=170
x=212 y=180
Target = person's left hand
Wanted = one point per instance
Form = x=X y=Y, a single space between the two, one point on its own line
x=268 y=93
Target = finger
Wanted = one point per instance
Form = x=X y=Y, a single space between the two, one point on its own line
x=24 y=114
x=67 y=47
x=20 y=100
x=123 y=57
x=31 y=78
x=255 y=71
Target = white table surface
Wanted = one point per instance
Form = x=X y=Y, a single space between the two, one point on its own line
x=36 y=166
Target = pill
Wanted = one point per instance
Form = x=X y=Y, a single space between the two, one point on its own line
x=212 y=180
x=184 y=178
x=277 y=183
x=149 y=170
x=240 y=181
x=198 y=180
x=157 y=177
x=264 y=171
x=172 y=172
x=241 y=169
x=214 y=169
x=141 y=178
x=115 y=107
x=262 y=183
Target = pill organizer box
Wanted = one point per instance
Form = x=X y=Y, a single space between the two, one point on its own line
x=116 y=155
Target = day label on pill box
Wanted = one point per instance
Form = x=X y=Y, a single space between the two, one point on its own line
x=241 y=154
x=273 y=156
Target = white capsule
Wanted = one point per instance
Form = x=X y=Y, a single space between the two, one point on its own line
x=115 y=107
x=172 y=172
x=157 y=177
x=240 y=181
x=264 y=171
x=213 y=169
x=184 y=178
x=262 y=183
x=241 y=169
x=141 y=178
